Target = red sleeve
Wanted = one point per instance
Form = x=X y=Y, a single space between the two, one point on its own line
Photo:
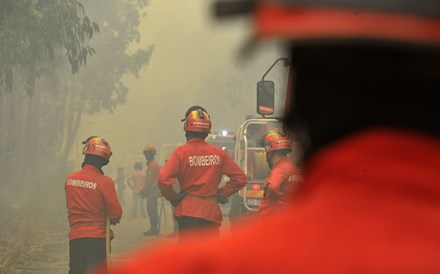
x=168 y=176
x=276 y=178
x=237 y=178
x=111 y=201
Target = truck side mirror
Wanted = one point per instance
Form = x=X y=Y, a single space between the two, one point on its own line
x=265 y=97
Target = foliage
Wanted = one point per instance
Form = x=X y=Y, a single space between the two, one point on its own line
x=34 y=31
x=37 y=132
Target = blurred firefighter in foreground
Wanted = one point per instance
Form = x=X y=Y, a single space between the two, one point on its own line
x=90 y=199
x=283 y=180
x=136 y=181
x=198 y=168
x=151 y=190
x=365 y=96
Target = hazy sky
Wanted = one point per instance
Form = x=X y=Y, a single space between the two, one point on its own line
x=194 y=62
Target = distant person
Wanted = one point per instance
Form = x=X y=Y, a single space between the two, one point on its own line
x=198 y=168
x=136 y=181
x=151 y=190
x=120 y=184
x=90 y=199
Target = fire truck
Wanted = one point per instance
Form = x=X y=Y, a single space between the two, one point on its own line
x=224 y=139
x=250 y=156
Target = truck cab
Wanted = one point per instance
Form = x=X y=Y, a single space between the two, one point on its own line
x=251 y=157
x=224 y=139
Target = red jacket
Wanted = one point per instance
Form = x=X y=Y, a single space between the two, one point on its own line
x=282 y=182
x=90 y=198
x=370 y=204
x=198 y=167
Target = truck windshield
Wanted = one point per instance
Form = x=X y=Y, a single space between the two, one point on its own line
x=227 y=142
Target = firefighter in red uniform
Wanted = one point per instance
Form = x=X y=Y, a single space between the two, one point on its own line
x=90 y=199
x=365 y=93
x=198 y=168
x=283 y=180
x=151 y=190
x=136 y=182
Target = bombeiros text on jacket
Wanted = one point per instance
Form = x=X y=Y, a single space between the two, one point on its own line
x=204 y=160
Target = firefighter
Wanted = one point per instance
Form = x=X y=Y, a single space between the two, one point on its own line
x=365 y=98
x=198 y=168
x=283 y=180
x=90 y=199
x=151 y=190
x=136 y=181
x=120 y=185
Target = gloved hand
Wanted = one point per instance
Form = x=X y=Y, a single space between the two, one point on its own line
x=179 y=197
x=222 y=199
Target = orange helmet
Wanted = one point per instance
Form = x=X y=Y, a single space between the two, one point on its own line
x=149 y=149
x=97 y=146
x=197 y=119
x=276 y=141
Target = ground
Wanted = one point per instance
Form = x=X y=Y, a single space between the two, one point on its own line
x=50 y=254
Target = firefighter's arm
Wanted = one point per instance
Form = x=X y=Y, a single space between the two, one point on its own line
x=273 y=183
x=167 y=176
x=237 y=178
x=111 y=201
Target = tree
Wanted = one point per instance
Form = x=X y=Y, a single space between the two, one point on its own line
x=34 y=31
x=37 y=130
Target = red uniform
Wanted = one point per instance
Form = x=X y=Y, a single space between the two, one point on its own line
x=90 y=198
x=370 y=204
x=282 y=182
x=198 y=167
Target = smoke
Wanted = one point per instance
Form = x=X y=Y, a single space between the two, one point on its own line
x=195 y=62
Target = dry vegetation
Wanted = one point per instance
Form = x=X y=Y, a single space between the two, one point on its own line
x=28 y=223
